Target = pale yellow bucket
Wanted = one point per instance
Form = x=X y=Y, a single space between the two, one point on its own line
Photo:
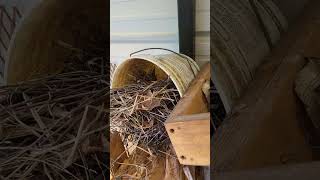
x=180 y=68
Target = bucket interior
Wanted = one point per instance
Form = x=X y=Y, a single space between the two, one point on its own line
x=35 y=51
x=128 y=71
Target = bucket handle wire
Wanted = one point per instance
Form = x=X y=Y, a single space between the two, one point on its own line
x=164 y=49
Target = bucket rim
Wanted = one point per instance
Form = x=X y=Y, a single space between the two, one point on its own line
x=152 y=59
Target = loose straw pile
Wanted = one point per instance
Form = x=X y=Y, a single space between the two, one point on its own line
x=138 y=112
x=54 y=127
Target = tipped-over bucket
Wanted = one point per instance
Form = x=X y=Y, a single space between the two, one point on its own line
x=34 y=50
x=180 y=68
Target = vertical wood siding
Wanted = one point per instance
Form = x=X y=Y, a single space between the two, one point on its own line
x=202 y=38
x=139 y=24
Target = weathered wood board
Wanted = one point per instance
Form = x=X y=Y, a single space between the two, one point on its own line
x=189 y=124
x=265 y=132
x=309 y=171
x=266 y=126
x=190 y=136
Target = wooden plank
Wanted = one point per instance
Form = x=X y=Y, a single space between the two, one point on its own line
x=189 y=124
x=308 y=171
x=193 y=101
x=292 y=42
x=265 y=124
x=291 y=8
x=117 y=151
x=267 y=131
x=202 y=22
x=190 y=136
x=313 y=35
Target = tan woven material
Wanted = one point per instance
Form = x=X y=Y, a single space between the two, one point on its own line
x=181 y=70
x=308 y=90
x=238 y=43
x=33 y=50
x=112 y=69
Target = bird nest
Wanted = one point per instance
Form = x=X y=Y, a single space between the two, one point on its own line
x=138 y=112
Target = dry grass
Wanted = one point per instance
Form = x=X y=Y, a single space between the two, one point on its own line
x=53 y=125
x=56 y=127
x=138 y=112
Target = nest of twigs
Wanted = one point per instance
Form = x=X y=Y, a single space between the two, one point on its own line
x=56 y=127
x=51 y=126
x=138 y=112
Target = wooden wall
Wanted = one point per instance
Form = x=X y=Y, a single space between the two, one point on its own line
x=139 y=24
x=136 y=25
x=202 y=35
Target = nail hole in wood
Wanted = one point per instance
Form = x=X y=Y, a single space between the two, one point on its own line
x=183 y=157
x=172 y=130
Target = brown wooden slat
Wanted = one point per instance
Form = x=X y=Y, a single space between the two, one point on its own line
x=264 y=128
x=189 y=124
x=190 y=136
x=308 y=171
x=266 y=132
